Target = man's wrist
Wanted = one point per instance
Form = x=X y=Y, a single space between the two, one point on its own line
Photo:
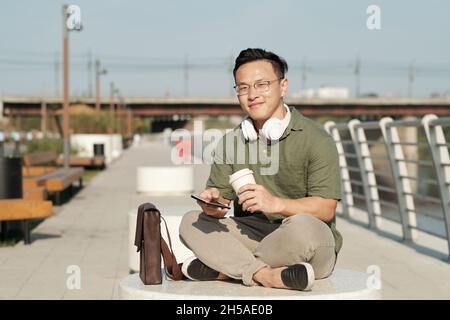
x=279 y=205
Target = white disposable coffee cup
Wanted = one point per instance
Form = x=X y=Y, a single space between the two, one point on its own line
x=241 y=178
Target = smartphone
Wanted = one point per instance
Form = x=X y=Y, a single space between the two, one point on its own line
x=213 y=203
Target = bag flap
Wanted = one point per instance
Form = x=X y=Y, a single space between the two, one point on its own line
x=140 y=223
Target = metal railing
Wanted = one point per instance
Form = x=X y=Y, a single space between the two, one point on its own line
x=361 y=181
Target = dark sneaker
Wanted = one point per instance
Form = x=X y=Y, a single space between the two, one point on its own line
x=299 y=276
x=196 y=270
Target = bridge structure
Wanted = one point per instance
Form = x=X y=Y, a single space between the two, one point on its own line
x=22 y=106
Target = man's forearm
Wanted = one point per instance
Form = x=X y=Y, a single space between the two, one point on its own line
x=321 y=208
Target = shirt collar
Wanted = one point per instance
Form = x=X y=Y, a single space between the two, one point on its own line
x=296 y=123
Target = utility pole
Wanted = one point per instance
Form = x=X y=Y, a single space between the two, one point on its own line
x=119 y=114
x=97 y=85
x=119 y=111
x=111 y=108
x=357 y=71
x=56 y=66
x=44 y=118
x=411 y=78
x=75 y=25
x=304 y=73
x=66 y=89
x=129 y=122
x=89 y=72
x=186 y=75
x=123 y=113
x=98 y=72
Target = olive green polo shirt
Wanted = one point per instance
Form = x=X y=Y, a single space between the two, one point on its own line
x=307 y=165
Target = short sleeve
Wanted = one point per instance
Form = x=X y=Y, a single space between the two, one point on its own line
x=323 y=169
x=220 y=173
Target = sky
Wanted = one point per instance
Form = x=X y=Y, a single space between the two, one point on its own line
x=145 y=46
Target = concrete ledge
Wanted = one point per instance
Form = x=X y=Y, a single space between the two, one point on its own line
x=175 y=180
x=342 y=285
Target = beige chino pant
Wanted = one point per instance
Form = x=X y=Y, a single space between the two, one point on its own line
x=240 y=246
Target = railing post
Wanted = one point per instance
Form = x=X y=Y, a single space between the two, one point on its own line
x=441 y=160
x=402 y=184
x=346 y=186
x=367 y=174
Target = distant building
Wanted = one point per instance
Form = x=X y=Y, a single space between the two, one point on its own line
x=445 y=94
x=323 y=93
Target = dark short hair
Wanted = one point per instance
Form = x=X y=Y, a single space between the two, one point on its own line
x=253 y=54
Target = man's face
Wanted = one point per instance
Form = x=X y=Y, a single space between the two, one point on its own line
x=260 y=106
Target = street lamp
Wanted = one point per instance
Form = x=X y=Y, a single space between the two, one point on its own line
x=98 y=72
x=71 y=21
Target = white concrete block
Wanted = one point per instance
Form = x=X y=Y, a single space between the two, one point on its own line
x=85 y=145
x=165 y=180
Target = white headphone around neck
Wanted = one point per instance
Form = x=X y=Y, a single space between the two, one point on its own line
x=272 y=129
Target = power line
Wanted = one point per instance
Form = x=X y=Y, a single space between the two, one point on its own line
x=357 y=71
x=304 y=68
x=33 y=62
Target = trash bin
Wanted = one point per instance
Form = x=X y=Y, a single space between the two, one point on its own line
x=10 y=188
x=10 y=178
x=99 y=149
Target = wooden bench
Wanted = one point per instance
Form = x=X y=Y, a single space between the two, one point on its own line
x=94 y=162
x=24 y=210
x=36 y=193
x=38 y=163
x=53 y=179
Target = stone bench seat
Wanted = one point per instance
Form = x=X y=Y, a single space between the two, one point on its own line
x=341 y=285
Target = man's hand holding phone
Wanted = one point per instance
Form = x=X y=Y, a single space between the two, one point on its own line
x=213 y=211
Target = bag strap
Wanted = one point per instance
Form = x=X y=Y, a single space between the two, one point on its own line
x=171 y=266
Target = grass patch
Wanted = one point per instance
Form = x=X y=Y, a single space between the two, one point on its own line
x=8 y=243
x=89 y=174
